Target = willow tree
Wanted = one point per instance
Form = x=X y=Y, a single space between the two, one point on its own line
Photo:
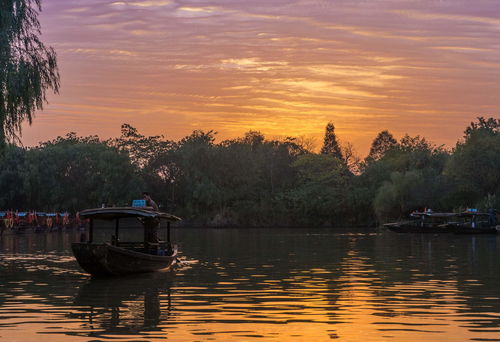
x=27 y=67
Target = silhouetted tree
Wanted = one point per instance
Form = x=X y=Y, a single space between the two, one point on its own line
x=253 y=181
x=490 y=125
x=13 y=193
x=475 y=163
x=27 y=67
x=320 y=195
x=381 y=144
x=140 y=148
x=73 y=173
x=330 y=143
x=351 y=159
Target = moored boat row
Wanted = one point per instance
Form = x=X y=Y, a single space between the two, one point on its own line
x=468 y=222
x=37 y=221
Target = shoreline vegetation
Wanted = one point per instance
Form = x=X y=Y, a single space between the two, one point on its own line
x=255 y=182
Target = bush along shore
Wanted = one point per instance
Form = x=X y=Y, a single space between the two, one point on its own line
x=254 y=181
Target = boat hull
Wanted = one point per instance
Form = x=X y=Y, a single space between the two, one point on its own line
x=108 y=260
x=417 y=228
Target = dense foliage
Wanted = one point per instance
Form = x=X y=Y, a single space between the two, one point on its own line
x=254 y=181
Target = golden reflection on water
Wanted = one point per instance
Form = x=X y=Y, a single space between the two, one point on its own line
x=366 y=315
x=333 y=287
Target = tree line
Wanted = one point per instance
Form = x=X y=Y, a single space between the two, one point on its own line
x=254 y=181
x=250 y=180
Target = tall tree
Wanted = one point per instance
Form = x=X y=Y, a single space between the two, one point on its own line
x=489 y=126
x=330 y=144
x=319 y=196
x=27 y=67
x=140 y=148
x=381 y=144
x=71 y=173
x=475 y=163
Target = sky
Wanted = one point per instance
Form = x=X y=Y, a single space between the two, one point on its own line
x=285 y=68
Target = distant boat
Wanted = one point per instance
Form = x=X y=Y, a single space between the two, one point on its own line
x=118 y=258
x=425 y=222
x=473 y=222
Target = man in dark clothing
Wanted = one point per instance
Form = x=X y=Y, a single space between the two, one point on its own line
x=151 y=225
x=149 y=201
x=492 y=216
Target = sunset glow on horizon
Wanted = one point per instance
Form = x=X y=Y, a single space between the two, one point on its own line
x=285 y=68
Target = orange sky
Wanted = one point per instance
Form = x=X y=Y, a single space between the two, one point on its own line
x=282 y=67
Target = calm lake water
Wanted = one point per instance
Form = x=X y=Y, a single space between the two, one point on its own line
x=262 y=285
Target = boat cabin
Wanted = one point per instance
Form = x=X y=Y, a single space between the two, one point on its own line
x=424 y=222
x=149 y=220
x=116 y=257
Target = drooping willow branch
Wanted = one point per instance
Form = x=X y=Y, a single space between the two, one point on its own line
x=27 y=67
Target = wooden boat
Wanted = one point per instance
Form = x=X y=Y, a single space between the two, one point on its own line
x=117 y=258
x=474 y=222
x=424 y=222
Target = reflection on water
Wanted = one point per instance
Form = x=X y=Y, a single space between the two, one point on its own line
x=258 y=284
x=120 y=306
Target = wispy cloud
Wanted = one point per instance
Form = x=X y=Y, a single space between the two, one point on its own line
x=274 y=65
x=146 y=3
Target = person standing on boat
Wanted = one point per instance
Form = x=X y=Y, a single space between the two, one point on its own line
x=492 y=216
x=149 y=201
x=151 y=225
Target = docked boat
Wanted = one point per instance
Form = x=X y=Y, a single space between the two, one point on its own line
x=473 y=222
x=115 y=257
x=424 y=222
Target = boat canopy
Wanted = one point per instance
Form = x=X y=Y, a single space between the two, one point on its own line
x=113 y=213
x=472 y=213
x=432 y=214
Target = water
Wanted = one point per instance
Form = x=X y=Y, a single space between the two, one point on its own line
x=262 y=285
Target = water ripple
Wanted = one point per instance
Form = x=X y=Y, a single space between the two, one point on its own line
x=312 y=285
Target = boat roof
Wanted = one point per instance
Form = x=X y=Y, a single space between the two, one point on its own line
x=432 y=214
x=125 y=212
x=472 y=213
